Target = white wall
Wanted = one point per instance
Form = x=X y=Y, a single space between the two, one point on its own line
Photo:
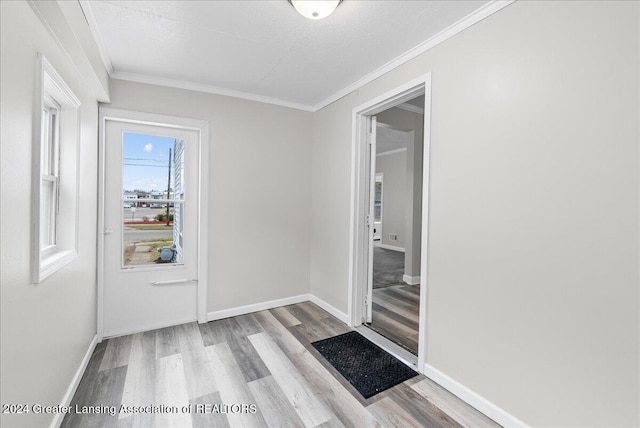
x=46 y=329
x=394 y=194
x=533 y=229
x=259 y=181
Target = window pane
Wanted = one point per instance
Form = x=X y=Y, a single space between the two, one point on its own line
x=377 y=203
x=45 y=162
x=152 y=169
x=148 y=239
x=47 y=221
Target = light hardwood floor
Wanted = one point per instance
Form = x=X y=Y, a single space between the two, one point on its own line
x=395 y=314
x=263 y=359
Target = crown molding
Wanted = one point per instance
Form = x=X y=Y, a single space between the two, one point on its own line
x=411 y=108
x=392 y=152
x=97 y=35
x=464 y=23
x=210 y=89
x=461 y=25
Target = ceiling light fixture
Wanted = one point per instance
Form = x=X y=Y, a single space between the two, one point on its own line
x=315 y=9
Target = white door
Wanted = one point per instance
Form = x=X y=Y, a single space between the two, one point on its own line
x=151 y=227
x=371 y=216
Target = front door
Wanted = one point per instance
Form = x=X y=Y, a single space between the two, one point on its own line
x=151 y=227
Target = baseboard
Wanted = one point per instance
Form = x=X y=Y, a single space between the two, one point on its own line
x=256 y=307
x=148 y=327
x=329 y=308
x=68 y=396
x=472 y=398
x=390 y=247
x=411 y=280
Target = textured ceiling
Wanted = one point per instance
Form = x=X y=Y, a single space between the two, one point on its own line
x=264 y=47
x=388 y=139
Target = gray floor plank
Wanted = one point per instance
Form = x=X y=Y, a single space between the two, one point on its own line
x=314 y=330
x=248 y=324
x=96 y=358
x=285 y=317
x=310 y=408
x=420 y=409
x=171 y=391
x=332 y=423
x=166 y=342
x=232 y=387
x=463 y=413
x=195 y=361
x=103 y=389
x=276 y=410
x=231 y=332
x=389 y=414
x=335 y=326
x=139 y=385
x=116 y=353
x=213 y=332
x=252 y=365
x=206 y=416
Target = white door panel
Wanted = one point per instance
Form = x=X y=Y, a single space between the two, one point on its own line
x=144 y=288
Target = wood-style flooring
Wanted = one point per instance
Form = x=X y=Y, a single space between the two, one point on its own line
x=262 y=363
x=395 y=314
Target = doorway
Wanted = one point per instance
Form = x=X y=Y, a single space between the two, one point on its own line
x=152 y=251
x=384 y=255
x=395 y=278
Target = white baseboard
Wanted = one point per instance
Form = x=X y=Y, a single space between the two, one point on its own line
x=411 y=280
x=68 y=396
x=390 y=247
x=256 y=307
x=472 y=398
x=155 y=326
x=329 y=308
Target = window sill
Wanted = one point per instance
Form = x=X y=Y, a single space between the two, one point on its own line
x=54 y=262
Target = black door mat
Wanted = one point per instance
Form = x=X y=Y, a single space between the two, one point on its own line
x=366 y=366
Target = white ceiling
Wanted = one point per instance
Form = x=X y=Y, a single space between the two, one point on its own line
x=389 y=139
x=263 y=49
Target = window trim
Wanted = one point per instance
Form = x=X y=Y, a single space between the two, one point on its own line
x=53 y=93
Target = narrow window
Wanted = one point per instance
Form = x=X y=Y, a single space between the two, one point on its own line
x=55 y=174
x=49 y=174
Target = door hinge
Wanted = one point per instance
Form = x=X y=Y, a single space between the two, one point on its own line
x=367 y=220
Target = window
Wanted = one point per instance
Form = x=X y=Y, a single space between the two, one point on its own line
x=49 y=174
x=55 y=174
x=377 y=202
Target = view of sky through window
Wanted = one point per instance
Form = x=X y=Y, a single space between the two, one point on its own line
x=145 y=162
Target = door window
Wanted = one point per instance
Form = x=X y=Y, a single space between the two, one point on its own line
x=153 y=200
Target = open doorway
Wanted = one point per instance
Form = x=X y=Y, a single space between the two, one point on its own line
x=390 y=218
x=396 y=239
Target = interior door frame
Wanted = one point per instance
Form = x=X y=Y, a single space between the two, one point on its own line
x=358 y=239
x=175 y=122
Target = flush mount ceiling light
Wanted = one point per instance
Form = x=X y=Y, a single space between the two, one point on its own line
x=315 y=9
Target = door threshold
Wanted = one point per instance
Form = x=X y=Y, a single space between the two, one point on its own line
x=396 y=350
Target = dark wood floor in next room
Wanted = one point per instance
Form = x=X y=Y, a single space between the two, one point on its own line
x=264 y=358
